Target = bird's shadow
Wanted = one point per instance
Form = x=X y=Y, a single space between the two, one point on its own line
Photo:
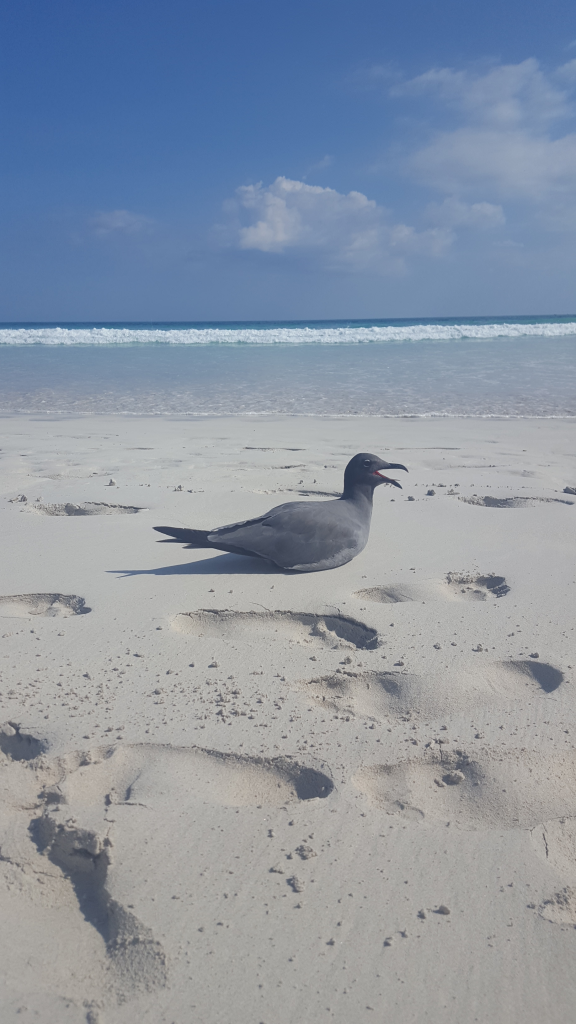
x=220 y=565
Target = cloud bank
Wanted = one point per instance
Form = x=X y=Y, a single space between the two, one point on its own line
x=483 y=149
x=509 y=142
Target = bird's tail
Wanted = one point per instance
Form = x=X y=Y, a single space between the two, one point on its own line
x=191 y=538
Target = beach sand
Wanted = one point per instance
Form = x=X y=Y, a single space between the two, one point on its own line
x=230 y=794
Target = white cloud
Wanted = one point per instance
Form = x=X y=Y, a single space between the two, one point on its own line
x=343 y=231
x=326 y=161
x=506 y=96
x=321 y=165
x=567 y=72
x=109 y=222
x=511 y=165
x=513 y=140
x=454 y=213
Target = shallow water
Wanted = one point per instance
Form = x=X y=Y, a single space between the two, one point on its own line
x=530 y=375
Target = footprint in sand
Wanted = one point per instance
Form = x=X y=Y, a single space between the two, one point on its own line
x=456 y=586
x=22 y=606
x=489 y=502
x=145 y=773
x=372 y=695
x=560 y=908
x=88 y=801
x=326 y=630
x=545 y=676
x=106 y=948
x=491 y=789
x=18 y=745
x=136 y=961
x=380 y=695
x=105 y=780
x=87 y=508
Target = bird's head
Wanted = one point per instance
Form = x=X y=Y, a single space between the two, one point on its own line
x=368 y=469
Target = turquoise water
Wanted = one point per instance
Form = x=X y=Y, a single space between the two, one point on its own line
x=480 y=366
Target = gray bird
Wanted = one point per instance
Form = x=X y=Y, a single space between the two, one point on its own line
x=304 y=535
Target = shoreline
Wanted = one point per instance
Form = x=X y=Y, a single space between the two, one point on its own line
x=275 y=417
x=280 y=416
x=351 y=789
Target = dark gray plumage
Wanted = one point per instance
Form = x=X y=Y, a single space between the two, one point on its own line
x=304 y=535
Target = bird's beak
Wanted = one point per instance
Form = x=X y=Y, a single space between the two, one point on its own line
x=386 y=479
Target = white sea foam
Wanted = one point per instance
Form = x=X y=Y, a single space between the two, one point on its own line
x=297 y=335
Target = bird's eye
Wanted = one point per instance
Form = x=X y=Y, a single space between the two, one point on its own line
x=367 y=463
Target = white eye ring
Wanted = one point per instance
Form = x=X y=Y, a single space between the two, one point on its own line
x=367 y=463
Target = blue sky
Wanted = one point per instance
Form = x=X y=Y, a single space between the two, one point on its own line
x=225 y=160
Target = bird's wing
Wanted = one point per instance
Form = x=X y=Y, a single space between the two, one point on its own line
x=294 y=534
x=223 y=531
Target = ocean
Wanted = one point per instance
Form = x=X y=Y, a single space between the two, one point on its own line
x=475 y=366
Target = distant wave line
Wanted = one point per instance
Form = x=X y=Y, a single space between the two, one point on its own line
x=298 y=335
x=6 y=410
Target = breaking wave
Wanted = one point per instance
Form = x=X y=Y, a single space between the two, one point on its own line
x=267 y=334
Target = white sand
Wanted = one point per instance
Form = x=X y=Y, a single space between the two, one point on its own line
x=233 y=796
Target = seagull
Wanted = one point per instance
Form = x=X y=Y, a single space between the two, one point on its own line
x=306 y=536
